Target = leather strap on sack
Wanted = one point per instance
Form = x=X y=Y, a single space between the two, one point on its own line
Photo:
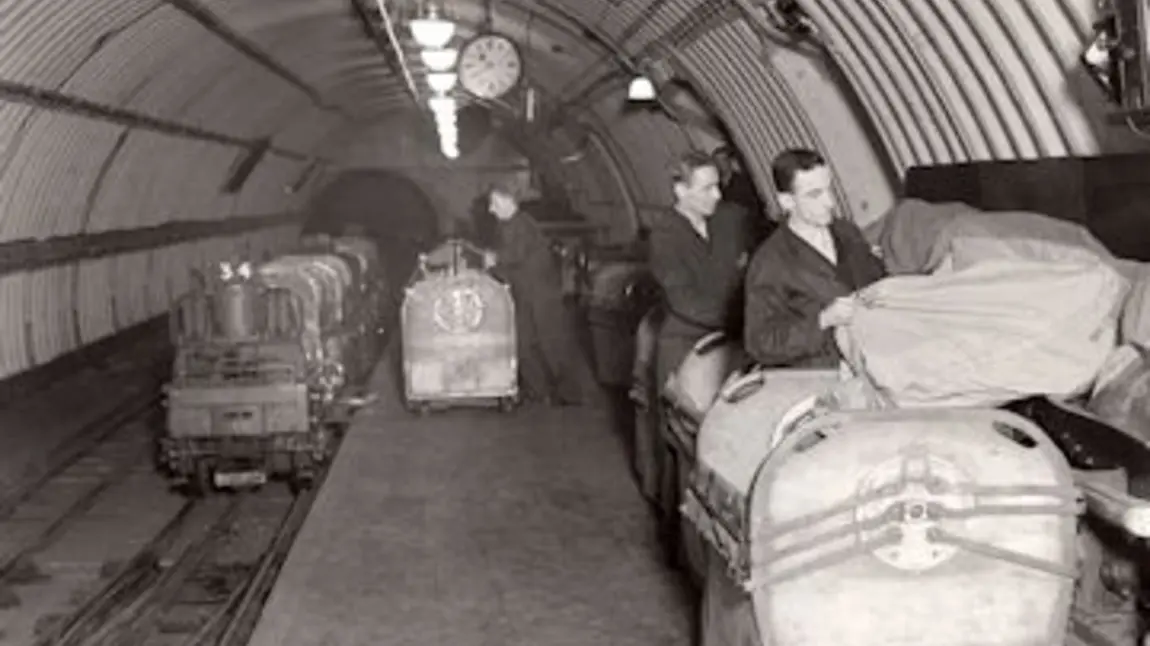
x=761 y=574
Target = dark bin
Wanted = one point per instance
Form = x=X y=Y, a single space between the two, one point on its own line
x=621 y=293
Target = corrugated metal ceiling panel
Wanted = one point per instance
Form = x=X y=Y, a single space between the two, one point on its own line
x=93 y=299
x=128 y=280
x=252 y=105
x=46 y=40
x=45 y=190
x=49 y=314
x=156 y=178
x=308 y=130
x=999 y=68
x=949 y=80
x=266 y=191
x=13 y=343
x=184 y=194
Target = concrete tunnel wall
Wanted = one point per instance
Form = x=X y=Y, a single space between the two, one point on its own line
x=125 y=118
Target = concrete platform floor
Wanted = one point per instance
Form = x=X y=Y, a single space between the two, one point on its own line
x=475 y=528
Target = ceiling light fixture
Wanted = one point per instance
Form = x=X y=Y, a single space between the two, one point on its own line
x=432 y=31
x=442 y=104
x=442 y=82
x=641 y=89
x=439 y=60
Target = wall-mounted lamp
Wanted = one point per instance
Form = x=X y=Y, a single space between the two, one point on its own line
x=439 y=60
x=641 y=89
x=441 y=82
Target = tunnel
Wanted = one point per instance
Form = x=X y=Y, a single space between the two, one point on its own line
x=388 y=206
x=142 y=141
x=149 y=138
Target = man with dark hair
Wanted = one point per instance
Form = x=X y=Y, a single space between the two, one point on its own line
x=547 y=350
x=800 y=282
x=697 y=252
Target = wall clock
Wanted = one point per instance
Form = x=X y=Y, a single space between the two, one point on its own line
x=490 y=65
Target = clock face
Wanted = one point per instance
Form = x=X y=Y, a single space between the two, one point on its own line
x=489 y=66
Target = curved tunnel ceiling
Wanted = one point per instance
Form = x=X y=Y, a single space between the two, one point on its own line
x=128 y=116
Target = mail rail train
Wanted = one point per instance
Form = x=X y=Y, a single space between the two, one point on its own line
x=801 y=498
x=459 y=334
x=264 y=353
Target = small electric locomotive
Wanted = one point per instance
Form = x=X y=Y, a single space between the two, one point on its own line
x=263 y=353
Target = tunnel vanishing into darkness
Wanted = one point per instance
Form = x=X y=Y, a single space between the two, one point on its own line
x=386 y=205
x=127 y=126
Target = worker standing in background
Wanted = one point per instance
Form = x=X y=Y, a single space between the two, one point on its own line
x=800 y=283
x=739 y=189
x=523 y=257
x=698 y=250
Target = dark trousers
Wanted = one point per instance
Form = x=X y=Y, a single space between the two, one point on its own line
x=652 y=451
x=547 y=347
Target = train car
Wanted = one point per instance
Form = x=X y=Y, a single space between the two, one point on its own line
x=263 y=354
x=800 y=502
x=685 y=399
x=458 y=333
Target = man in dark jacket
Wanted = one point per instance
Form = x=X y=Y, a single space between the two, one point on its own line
x=698 y=250
x=800 y=282
x=523 y=257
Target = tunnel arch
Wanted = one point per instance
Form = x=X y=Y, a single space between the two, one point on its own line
x=121 y=122
x=391 y=208
x=388 y=205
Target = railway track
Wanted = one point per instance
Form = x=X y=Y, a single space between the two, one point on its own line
x=97 y=550
x=102 y=456
x=203 y=581
x=176 y=571
x=100 y=552
x=82 y=445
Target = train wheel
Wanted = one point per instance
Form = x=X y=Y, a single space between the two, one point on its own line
x=199 y=481
x=300 y=483
x=507 y=404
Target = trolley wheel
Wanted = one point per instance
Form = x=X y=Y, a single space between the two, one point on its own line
x=507 y=404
